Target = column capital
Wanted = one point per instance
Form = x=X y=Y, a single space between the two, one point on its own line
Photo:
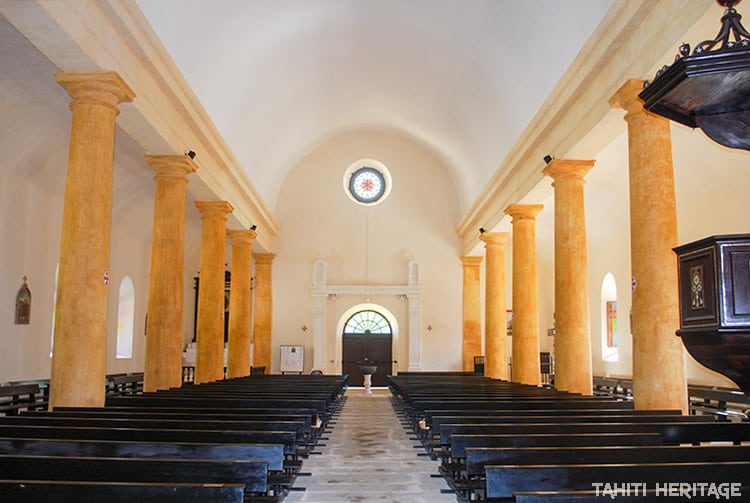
x=101 y=88
x=626 y=97
x=173 y=166
x=562 y=169
x=523 y=211
x=264 y=258
x=494 y=239
x=240 y=236
x=210 y=209
x=472 y=261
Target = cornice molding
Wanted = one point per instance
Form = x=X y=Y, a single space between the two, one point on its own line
x=627 y=44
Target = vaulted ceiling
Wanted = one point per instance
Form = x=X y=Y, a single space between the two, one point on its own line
x=487 y=86
x=461 y=78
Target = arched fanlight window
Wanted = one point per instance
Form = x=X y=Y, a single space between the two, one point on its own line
x=367 y=322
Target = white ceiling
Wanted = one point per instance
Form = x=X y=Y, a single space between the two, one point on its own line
x=462 y=78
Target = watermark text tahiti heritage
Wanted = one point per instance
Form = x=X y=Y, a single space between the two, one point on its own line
x=725 y=491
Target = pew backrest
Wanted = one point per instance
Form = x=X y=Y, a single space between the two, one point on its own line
x=24 y=491
x=272 y=453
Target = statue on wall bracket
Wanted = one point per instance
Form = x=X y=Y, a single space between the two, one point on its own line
x=23 y=304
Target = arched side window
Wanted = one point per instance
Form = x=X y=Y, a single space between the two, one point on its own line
x=610 y=352
x=367 y=322
x=125 y=318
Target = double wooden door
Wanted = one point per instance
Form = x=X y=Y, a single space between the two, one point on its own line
x=376 y=348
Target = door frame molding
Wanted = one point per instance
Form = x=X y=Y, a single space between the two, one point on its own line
x=322 y=292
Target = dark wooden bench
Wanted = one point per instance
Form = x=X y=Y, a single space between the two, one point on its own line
x=434 y=436
x=459 y=443
x=505 y=480
x=193 y=403
x=272 y=453
x=25 y=491
x=438 y=421
x=298 y=427
x=124 y=384
x=252 y=474
x=453 y=460
x=202 y=412
x=479 y=457
x=286 y=438
x=19 y=397
x=682 y=432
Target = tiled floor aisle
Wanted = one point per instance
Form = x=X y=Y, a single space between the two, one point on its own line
x=369 y=457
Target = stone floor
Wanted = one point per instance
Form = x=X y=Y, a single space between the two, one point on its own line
x=369 y=457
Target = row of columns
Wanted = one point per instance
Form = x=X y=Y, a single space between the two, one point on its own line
x=79 y=357
x=659 y=380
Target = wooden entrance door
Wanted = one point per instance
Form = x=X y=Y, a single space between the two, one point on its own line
x=377 y=348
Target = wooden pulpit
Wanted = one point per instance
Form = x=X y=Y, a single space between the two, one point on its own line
x=714 y=293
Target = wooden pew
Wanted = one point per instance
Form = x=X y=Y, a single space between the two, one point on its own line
x=272 y=453
x=682 y=432
x=191 y=403
x=298 y=427
x=479 y=457
x=453 y=463
x=445 y=424
x=282 y=474
x=124 y=384
x=18 y=397
x=286 y=438
x=25 y=491
x=504 y=480
x=252 y=474
x=460 y=443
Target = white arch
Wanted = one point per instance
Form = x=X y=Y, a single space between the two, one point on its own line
x=367 y=306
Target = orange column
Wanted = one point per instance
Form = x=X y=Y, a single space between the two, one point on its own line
x=572 y=329
x=238 y=359
x=163 y=369
x=495 y=319
x=262 y=311
x=209 y=358
x=659 y=380
x=79 y=362
x=472 y=340
x=526 y=366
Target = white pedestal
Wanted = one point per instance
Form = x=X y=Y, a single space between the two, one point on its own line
x=368 y=383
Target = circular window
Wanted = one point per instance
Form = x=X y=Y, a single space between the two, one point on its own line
x=367 y=182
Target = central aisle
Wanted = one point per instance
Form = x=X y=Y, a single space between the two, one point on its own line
x=369 y=457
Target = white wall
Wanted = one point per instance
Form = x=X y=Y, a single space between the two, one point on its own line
x=369 y=246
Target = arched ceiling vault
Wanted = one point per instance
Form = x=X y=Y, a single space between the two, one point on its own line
x=488 y=86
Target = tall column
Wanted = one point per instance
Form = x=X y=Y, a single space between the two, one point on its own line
x=495 y=319
x=472 y=341
x=572 y=328
x=209 y=359
x=79 y=362
x=263 y=311
x=659 y=380
x=526 y=366
x=238 y=360
x=163 y=369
